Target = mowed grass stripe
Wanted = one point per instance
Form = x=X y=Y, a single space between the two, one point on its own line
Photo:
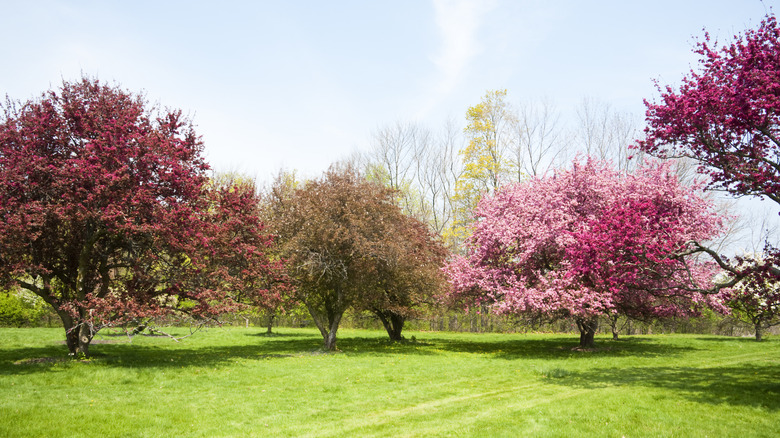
x=447 y=415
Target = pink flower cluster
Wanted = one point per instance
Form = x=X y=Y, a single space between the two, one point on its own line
x=588 y=241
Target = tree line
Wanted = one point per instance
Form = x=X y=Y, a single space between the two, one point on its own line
x=109 y=213
x=440 y=175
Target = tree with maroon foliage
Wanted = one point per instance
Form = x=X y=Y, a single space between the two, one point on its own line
x=241 y=248
x=585 y=242
x=105 y=212
x=726 y=116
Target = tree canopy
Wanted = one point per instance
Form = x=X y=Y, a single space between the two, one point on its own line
x=349 y=245
x=755 y=299
x=587 y=241
x=725 y=116
x=106 y=214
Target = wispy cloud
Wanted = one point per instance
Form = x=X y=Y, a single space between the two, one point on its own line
x=457 y=22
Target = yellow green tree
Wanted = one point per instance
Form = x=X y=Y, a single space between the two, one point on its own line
x=486 y=165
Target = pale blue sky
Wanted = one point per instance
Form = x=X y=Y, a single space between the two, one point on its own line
x=301 y=84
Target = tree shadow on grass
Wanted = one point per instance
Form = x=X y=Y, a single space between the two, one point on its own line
x=163 y=353
x=509 y=348
x=734 y=339
x=265 y=334
x=32 y=359
x=563 y=347
x=384 y=346
x=756 y=385
x=550 y=347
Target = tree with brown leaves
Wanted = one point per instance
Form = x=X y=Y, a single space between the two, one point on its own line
x=349 y=245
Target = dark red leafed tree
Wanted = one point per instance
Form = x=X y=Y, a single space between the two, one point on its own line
x=330 y=230
x=241 y=251
x=726 y=116
x=105 y=212
x=408 y=276
x=586 y=242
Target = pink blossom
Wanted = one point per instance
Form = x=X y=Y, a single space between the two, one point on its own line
x=588 y=241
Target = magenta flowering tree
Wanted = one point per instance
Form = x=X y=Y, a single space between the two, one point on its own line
x=586 y=242
x=725 y=115
x=106 y=214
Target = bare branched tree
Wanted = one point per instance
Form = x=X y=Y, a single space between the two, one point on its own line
x=539 y=140
x=440 y=170
x=395 y=160
x=607 y=134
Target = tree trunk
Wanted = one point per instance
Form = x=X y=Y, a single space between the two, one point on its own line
x=271 y=317
x=393 y=322
x=328 y=324
x=613 y=322
x=77 y=336
x=587 y=329
x=759 y=334
x=330 y=338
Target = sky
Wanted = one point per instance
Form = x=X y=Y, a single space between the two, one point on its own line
x=301 y=84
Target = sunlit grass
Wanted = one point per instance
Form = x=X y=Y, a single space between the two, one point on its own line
x=238 y=382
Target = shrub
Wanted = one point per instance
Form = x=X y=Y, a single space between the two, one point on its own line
x=23 y=309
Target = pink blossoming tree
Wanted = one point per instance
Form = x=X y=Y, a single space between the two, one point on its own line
x=586 y=242
x=726 y=116
x=106 y=214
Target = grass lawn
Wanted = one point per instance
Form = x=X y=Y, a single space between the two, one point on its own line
x=239 y=382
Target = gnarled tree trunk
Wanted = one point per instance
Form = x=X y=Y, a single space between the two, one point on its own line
x=393 y=322
x=329 y=338
x=328 y=324
x=587 y=327
x=77 y=336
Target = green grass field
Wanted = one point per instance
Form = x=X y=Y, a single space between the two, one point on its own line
x=238 y=382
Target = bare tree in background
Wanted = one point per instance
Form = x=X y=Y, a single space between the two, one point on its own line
x=395 y=160
x=540 y=139
x=422 y=167
x=607 y=134
x=441 y=167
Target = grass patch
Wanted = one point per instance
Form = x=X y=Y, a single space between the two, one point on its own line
x=554 y=373
x=239 y=382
